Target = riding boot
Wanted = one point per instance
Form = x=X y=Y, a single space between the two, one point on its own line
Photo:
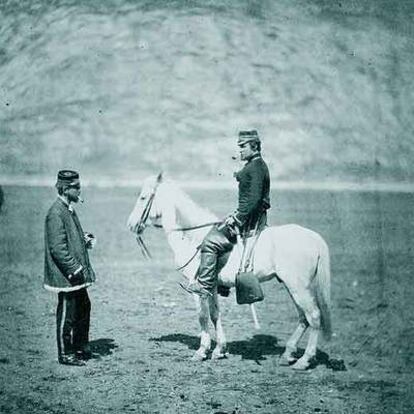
x=206 y=274
x=214 y=245
x=204 y=282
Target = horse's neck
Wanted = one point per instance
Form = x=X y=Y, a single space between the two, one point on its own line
x=178 y=211
x=190 y=213
x=182 y=246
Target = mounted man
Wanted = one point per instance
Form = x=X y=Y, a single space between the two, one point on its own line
x=250 y=215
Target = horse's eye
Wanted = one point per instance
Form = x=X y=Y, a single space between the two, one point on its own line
x=142 y=198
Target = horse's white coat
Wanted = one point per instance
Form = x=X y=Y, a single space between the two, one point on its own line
x=299 y=258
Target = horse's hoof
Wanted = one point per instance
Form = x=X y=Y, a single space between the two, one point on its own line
x=199 y=356
x=216 y=355
x=301 y=365
x=285 y=361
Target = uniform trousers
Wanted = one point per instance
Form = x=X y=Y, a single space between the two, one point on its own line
x=72 y=321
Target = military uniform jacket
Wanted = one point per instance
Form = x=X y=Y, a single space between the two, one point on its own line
x=254 y=197
x=65 y=249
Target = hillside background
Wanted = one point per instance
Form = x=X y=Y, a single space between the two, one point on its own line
x=121 y=89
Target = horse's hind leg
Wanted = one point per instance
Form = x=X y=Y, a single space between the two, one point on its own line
x=215 y=315
x=307 y=303
x=288 y=356
x=304 y=361
x=205 y=340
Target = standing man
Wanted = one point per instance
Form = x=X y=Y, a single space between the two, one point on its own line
x=1 y=197
x=254 y=201
x=68 y=270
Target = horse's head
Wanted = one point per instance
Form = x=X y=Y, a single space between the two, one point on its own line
x=145 y=210
x=164 y=204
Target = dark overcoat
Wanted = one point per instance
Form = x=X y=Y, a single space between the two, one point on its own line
x=65 y=249
x=254 y=194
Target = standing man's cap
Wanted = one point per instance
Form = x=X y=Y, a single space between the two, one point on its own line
x=248 y=136
x=68 y=177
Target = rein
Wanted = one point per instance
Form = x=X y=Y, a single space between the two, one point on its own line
x=144 y=250
x=200 y=226
x=143 y=219
x=190 y=260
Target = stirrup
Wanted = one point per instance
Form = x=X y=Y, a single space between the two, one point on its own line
x=198 y=291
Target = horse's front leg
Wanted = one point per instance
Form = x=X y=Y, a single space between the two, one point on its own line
x=220 y=350
x=205 y=339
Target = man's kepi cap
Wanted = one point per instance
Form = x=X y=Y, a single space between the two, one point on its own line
x=248 y=136
x=69 y=178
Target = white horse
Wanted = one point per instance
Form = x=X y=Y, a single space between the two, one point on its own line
x=292 y=254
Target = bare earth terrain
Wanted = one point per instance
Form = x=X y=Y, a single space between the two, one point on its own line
x=144 y=327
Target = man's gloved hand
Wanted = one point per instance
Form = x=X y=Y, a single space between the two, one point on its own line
x=228 y=222
x=78 y=279
x=229 y=227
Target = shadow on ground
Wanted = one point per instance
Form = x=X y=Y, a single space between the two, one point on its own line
x=255 y=349
x=102 y=347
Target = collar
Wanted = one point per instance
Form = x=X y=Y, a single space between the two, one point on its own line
x=66 y=203
x=255 y=156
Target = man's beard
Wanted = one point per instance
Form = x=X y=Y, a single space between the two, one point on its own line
x=74 y=199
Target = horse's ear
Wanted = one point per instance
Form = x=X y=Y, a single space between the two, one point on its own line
x=159 y=177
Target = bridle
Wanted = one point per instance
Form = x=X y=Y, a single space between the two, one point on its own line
x=142 y=224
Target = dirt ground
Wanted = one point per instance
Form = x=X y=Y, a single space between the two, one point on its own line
x=144 y=327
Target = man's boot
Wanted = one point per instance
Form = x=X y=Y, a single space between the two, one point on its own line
x=204 y=282
x=215 y=244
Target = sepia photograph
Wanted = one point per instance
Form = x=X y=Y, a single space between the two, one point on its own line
x=206 y=206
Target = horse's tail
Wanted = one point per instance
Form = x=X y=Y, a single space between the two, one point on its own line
x=323 y=290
